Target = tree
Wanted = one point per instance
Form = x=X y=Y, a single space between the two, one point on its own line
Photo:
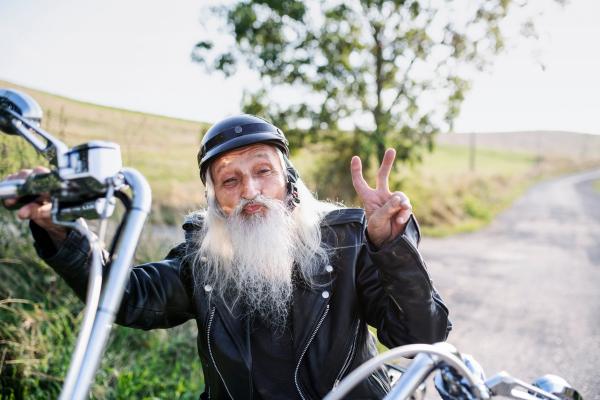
x=368 y=74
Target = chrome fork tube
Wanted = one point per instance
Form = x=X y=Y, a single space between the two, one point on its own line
x=115 y=286
x=419 y=370
x=91 y=304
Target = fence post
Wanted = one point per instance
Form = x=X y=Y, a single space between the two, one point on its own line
x=472 y=153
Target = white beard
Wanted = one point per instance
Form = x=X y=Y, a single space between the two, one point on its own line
x=249 y=258
x=264 y=252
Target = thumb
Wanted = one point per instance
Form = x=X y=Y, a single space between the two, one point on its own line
x=391 y=207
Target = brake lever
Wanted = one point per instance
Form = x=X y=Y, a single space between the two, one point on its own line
x=502 y=384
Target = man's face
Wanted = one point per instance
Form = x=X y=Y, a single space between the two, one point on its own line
x=246 y=173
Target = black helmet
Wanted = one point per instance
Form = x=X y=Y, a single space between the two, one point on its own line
x=239 y=131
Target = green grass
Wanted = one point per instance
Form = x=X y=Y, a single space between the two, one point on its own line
x=596 y=185
x=450 y=160
x=39 y=321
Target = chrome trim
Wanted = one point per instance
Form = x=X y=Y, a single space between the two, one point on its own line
x=210 y=320
x=10 y=189
x=502 y=384
x=368 y=367
x=312 y=336
x=117 y=280
x=28 y=107
x=91 y=305
x=558 y=386
x=54 y=150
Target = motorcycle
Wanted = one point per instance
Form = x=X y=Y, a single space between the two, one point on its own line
x=86 y=183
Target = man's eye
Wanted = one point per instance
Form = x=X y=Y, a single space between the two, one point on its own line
x=230 y=180
x=264 y=171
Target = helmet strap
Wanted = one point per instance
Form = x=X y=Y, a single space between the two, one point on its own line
x=292 y=178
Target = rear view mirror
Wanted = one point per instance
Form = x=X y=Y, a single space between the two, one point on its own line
x=21 y=115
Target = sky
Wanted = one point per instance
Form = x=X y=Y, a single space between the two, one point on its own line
x=135 y=54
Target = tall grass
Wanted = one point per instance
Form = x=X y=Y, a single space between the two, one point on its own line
x=40 y=318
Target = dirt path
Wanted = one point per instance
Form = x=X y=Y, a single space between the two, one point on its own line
x=524 y=293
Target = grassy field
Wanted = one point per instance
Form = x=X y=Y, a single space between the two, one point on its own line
x=447 y=197
x=596 y=185
x=164 y=150
x=39 y=315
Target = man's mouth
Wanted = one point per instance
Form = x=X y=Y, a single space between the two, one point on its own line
x=253 y=208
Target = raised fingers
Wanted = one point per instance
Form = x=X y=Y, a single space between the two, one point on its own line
x=384 y=171
x=359 y=182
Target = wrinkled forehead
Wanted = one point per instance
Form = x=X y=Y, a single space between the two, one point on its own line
x=245 y=156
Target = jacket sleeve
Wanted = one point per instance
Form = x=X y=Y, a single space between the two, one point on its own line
x=396 y=293
x=156 y=296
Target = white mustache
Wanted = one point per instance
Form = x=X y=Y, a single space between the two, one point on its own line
x=259 y=200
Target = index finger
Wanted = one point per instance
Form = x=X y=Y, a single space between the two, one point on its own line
x=384 y=171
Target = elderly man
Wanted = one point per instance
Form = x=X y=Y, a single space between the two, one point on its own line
x=281 y=285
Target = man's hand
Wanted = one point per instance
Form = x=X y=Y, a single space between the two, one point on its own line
x=39 y=210
x=387 y=212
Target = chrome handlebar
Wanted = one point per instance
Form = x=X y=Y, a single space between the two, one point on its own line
x=445 y=357
x=82 y=186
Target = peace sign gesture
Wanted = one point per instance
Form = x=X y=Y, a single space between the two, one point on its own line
x=387 y=212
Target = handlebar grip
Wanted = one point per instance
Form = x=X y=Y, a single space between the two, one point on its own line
x=11 y=189
x=22 y=201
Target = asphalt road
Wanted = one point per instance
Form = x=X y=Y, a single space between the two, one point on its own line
x=524 y=293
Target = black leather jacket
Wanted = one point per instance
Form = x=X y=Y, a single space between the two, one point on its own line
x=390 y=290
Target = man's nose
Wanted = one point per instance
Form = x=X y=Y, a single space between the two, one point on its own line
x=251 y=188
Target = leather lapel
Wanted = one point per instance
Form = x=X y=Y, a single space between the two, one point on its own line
x=308 y=307
x=238 y=328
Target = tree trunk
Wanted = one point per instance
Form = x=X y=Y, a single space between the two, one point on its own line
x=377 y=112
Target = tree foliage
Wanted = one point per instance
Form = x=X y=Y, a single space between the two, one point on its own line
x=390 y=72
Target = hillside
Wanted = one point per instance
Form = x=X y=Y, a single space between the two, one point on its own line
x=537 y=142
x=443 y=188
x=163 y=149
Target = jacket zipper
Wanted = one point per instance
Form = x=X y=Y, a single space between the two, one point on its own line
x=306 y=348
x=378 y=379
x=348 y=360
x=212 y=314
